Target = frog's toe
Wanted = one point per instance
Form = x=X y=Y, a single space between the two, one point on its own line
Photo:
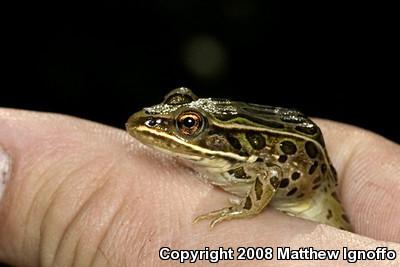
x=229 y=215
x=214 y=215
x=218 y=220
x=221 y=215
x=200 y=218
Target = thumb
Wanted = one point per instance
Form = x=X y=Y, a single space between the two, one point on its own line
x=70 y=183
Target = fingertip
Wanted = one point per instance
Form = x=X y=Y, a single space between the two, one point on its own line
x=368 y=166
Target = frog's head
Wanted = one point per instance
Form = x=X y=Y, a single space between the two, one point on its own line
x=188 y=127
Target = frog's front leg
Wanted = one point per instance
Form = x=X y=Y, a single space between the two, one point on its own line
x=265 y=184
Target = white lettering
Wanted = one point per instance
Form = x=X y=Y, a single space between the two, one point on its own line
x=187 y=255
x=307 y=253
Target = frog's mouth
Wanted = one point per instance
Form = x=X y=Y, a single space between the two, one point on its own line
x=171 y=144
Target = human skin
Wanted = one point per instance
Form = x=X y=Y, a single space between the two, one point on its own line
x=83 y=194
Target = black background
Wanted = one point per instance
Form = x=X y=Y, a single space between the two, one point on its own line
x=104 y=60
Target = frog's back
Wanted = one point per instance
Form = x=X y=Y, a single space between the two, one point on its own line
x=281 y=120
x=295 y=144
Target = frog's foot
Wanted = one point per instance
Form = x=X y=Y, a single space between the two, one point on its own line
x=222 y=215
x=262 y=191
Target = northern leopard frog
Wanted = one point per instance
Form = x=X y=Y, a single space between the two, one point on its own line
x=264 y=155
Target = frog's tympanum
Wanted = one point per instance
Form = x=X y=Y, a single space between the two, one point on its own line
x=264 y=155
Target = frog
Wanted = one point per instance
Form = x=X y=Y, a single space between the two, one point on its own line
x=262 y=155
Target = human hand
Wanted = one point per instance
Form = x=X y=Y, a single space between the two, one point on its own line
x=84 y=194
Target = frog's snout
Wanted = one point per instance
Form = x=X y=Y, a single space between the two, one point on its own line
x=135 y=121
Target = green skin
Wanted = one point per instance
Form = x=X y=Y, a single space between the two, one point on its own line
x=264 y=155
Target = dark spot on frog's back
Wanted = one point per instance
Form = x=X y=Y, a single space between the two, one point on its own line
x=311 y=149
x=288 y=147
x=259 y=109
x=248 y=204
x=329 y=215
x=273 y=124
x=274 y=182
x=268 y=123
x=316 y=186
x=317 y=180
x=239 y=173
x=233 y=141
x=284 y=183
x=295 y=176
x=256 y=140
x=291 y=192
x=323 y=168
x=258 y=188
x=282 y=158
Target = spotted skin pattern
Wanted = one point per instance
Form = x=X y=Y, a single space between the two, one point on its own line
x=300 y=181
x=265 y=155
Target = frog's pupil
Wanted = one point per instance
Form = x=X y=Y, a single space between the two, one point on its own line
x=189 y=122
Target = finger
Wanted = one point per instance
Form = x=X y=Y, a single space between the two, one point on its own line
x=68 y=184
x=369 y=170
x=83 y=193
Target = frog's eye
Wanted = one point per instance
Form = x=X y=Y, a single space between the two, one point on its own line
x=189 y=123
x=178 y=99
x=180 y=96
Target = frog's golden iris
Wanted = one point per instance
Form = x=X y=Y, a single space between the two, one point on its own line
x=189 y=123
